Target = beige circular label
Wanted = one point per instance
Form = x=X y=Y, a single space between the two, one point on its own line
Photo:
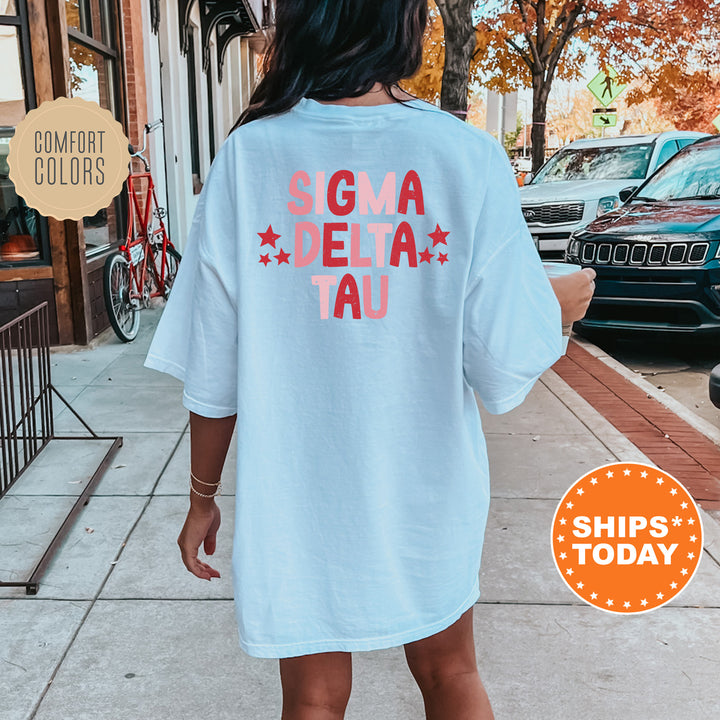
x=68 y=158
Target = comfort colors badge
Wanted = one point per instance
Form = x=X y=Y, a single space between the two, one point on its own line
x=68 y=158
x=627 y=538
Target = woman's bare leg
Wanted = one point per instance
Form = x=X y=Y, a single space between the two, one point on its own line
x=445 y=668
x=316 y=686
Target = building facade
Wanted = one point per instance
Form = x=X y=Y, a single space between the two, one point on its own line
x=191 y=63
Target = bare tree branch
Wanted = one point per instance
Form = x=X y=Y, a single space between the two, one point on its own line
x=559 y=48
x=526 y=58
x=528 y=36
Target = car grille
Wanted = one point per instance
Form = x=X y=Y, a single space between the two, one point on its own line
x=554 y=213
x=649 y=254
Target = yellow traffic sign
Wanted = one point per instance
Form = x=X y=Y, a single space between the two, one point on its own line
x=604 y=120
x=606 y=87
x=716 y=122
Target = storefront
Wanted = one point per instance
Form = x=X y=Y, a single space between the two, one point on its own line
x=190 y=62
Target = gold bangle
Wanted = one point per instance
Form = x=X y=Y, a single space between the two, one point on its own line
x=201 y=482
x=217 y=492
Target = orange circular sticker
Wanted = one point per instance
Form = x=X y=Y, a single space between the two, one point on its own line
x=627 y=537
x=68 y=158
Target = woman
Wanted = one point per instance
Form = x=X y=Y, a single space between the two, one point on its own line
x=357 y=265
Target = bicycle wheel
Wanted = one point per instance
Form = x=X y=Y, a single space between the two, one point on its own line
x=123 y=313
x=172 y=263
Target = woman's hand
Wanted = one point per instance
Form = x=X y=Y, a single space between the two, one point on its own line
x=574 y=292
x=201 y=526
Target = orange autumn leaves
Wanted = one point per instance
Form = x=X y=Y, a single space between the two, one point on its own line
x=666 y=49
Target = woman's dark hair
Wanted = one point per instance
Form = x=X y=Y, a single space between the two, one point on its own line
x=331 y=49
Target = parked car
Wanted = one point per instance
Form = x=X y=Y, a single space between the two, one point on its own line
x=522 y=164
x=657 y=258
x=583 y=180
x=715 y=386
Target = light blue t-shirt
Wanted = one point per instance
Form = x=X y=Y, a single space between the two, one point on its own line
x=351 y=275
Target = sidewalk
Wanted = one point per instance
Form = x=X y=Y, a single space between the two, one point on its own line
x=112 y=634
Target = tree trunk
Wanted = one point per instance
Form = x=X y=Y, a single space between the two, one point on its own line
x=541 y=91
x=459 y=47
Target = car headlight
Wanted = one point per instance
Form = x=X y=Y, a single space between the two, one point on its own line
x=607 y=204
x=574 y=247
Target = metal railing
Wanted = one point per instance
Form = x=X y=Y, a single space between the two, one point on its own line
x=26 y=413
x=26 y=417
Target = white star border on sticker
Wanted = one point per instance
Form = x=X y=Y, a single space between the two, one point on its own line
x=568 y=573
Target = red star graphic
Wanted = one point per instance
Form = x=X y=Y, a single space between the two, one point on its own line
x=265 y=259
x=268 y=237
x=282 y=257
x=438 y=235
x=425 y=256
x=442 y=258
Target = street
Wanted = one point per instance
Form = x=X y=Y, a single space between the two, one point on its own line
x=681 y=370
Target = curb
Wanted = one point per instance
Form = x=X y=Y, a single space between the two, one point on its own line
x=684 y=413
x=617 y=443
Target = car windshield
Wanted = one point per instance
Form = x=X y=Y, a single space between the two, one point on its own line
x=691 y=174
x=620 y=162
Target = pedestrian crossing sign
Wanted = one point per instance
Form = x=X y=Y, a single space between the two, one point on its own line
x=604 y=120
x=606 y=87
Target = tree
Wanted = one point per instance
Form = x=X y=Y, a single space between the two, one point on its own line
x=666 y=48
x=652 y=41
x=460 y=44
x=691 y=99
x=427 y=81
x=450 y=29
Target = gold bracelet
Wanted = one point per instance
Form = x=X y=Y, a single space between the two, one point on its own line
x=217 y=492
x=201 y=482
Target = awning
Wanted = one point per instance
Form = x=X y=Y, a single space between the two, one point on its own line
x=226 y=18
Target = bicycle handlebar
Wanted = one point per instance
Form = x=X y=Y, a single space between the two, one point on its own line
x=149 y=127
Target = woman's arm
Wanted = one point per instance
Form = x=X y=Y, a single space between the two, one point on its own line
x=209 y=442
x=574 y=293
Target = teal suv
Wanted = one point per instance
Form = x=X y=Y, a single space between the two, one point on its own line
x=657 y=257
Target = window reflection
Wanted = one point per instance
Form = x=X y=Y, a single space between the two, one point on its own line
x=19 y=232
x=8 y=7
x=77 y=13
x=92 y=78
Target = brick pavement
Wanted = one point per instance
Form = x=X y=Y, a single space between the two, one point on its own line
x=670 y=442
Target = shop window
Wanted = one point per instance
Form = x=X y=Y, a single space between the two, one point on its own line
x=94 y=76
x=23 y=231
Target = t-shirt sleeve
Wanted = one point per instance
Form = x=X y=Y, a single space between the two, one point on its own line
x=512 y=328
x=196 y=338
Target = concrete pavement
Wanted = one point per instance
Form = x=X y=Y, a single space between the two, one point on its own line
x=120 y=630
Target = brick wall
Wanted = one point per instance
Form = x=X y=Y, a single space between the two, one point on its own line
x=135 y=68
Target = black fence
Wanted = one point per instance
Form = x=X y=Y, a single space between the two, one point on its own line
x=26 y=410
x=26 y=417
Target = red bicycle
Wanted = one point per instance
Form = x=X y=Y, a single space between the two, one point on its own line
x=146 y=265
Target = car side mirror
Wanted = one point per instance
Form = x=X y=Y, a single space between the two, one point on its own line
x=528 y=178
x=626 y=193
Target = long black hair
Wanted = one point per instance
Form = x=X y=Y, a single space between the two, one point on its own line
x=332 y=49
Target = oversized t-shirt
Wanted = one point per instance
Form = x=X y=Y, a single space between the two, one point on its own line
x=351 y=275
